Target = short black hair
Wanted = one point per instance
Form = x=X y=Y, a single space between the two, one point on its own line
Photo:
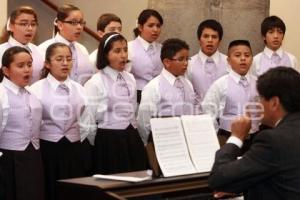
x=210 y=23
x=272 y=22
x=171 y=46
x=234 y=43
x=282 y=82
x=105 y=46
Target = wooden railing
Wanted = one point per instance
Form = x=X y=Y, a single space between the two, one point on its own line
x=86 y=29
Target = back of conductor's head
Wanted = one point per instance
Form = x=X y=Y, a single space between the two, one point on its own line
x=281 y=82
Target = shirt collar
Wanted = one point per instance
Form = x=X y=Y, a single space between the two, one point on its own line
x=14 y=42
x=269 y=52
x=112 y=72
x=215 y=56
x=12 y=86
x=237 y=77
x=170 y=77
x=146 y=44
x=54 y=83
x=60 y=38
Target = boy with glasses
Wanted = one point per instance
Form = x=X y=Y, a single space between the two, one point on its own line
x=170 y=93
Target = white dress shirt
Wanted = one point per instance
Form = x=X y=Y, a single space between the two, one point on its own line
x=37 y=88
x=95 y=115
x=4 y=100
x=37 y=56
x=216 y=58
x=84 y=68
x=257 y=59
x=150 y=102
x=18 y=138
x=145 y=45
x=58 y=38
x=216 y=95
x=145 y=62
x=93 y=58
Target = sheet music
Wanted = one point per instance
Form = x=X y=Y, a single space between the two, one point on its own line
x=170 y=146
x=122 y=178
x=201 y=139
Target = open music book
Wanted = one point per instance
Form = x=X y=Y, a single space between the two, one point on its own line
x=184 y=145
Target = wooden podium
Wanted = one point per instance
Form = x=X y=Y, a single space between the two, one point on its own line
x=193 y=185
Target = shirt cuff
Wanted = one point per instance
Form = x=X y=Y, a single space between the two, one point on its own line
x=235 y=140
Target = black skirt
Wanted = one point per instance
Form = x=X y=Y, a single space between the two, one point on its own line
x=87 y=158
x=138 y=96
x=118 y=151
x=2 y=183
x=62 y=160
x=23 y=174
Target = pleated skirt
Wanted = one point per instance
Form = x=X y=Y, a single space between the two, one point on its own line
x=87 y=157
x=22 y=174
x=118 y=151
x=62 y=160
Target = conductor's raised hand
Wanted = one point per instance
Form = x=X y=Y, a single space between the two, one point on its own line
x=241 y=126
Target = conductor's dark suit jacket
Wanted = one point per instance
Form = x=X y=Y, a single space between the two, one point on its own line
x=269 y=170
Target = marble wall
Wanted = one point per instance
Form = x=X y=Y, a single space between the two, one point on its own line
x=240 y=19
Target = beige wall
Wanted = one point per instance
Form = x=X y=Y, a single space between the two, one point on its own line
x=3 y=11
x=288 y=10
x=129 y=10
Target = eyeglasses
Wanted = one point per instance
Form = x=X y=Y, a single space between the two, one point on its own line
x=62 y=60
x=75 y=23
x=27 y=25
x=181 y=59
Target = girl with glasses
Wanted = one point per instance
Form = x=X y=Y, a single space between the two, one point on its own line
x=20 y=30
x=68 y=25
x=63 y=102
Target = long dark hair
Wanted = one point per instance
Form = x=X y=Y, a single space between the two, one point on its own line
x=8 y=57
x=144 y=16
x=105 y=46
x=62 y=13
x=49 y=53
